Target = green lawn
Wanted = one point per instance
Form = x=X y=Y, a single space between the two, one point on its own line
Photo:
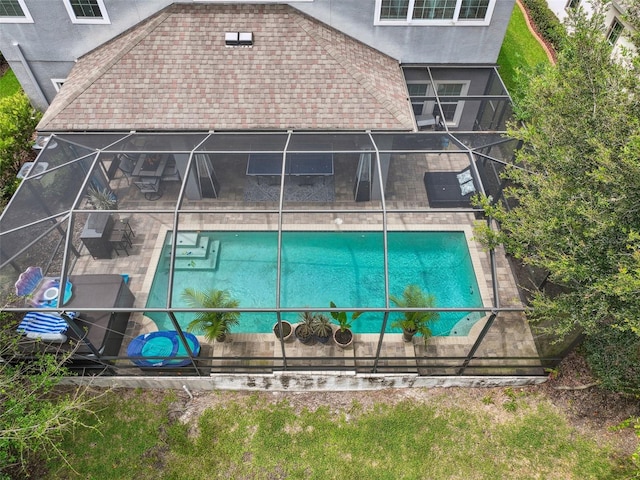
x=508 y=434
x=8 y=84
x=520 y=51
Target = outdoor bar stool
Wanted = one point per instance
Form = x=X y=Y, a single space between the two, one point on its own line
x=122 y=223
x=119 y=242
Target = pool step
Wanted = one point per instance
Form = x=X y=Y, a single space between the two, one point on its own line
x=199 y=262
x=199 y=250
x=185 y=239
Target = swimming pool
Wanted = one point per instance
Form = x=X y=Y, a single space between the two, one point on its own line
x=317 y=268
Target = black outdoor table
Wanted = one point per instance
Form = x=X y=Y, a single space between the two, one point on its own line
x=298 y=164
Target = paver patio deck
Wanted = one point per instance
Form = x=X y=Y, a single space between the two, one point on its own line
x=509 y=336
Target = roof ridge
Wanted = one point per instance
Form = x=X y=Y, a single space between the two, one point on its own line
x=136 y=34
x=353 y=69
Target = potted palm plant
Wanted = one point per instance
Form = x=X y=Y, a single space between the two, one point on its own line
x=216 y=325
x=343 y=336
x=102 y=199
x=322 y=330
x=304 y=331
x=412 y=323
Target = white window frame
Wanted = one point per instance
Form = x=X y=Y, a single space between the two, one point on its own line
x=613 y=29
x=429 y=105
x=26 y=19
x=88 y=20
x=57 y=83
x=455 y=21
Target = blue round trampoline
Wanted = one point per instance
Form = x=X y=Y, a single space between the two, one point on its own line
x=161 y=348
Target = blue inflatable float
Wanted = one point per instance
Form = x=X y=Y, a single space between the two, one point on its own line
x=161 y=348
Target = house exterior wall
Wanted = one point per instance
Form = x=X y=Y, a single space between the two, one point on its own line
x=52 y=43
x=614 y=12
x=450 y=44
x=48 y=48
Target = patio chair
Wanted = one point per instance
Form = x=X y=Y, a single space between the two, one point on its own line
x=429 y=120
x=171 y=173
x=49 y=327
x=149 y=186
x=126 y=164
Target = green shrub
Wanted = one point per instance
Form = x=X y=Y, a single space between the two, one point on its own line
x=546 y=22
x=34 y=413
x=18 y=120
x=614 y=357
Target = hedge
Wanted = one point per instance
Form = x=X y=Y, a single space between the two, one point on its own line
x=614 y=357
x=546 y=22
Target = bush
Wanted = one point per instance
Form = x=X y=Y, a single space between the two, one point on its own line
x=546 y=22
x=18 y=120
x=614 y=357
x=33 y=412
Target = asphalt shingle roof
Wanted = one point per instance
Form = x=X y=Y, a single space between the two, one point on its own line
x=174 y=72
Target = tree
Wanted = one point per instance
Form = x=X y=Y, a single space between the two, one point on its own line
x=33 y=413
x=632 y=17
x=577 y=212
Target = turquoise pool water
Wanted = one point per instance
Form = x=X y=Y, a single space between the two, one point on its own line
x=317 y=268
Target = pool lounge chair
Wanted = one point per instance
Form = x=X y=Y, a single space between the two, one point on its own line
x=449 y=189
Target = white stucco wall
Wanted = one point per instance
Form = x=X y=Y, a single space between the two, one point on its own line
x=50 y=45
x=614 y=11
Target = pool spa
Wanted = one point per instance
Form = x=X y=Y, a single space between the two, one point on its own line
x=318 y=268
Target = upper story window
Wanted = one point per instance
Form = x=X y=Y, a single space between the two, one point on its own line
x=572 y=4
x=615 y=30
x=394 y=9
x=434 y=12
x=87 y=11
x=14 y=11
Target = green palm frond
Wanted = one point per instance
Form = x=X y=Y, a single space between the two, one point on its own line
x=213 y=324
x=414 y=297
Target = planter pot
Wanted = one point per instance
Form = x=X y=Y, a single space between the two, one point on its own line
x=287 y=330
x=322 y=340
x=343 y=339
x=310 y=340
x=407 y=335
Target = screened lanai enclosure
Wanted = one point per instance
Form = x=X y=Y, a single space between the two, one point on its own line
x=111 y=235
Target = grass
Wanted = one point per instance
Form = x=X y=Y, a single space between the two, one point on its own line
x=520 y=51
x=8 y=84
x=257 y=439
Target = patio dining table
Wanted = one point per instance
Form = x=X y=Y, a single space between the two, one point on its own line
x=150 y=165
